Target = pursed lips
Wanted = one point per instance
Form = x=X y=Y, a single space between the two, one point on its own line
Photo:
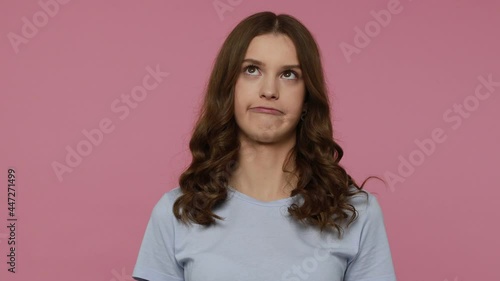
x=268 y=110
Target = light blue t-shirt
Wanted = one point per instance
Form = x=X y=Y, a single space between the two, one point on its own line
x=260 y=241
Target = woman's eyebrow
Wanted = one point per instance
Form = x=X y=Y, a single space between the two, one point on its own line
x=259 y=63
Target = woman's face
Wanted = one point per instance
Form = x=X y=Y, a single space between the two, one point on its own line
x=270 y=77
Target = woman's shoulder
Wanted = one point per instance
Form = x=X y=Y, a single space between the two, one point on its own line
x=169 y=197
x=173 y=193
x=163 y=207
x=366 y=202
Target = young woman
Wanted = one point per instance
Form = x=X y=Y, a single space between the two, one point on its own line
x=265 y=198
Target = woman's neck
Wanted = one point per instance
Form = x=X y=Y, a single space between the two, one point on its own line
x=259 y=171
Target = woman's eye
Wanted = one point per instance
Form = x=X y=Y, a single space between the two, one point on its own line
x=252 y=68
x=292 y=73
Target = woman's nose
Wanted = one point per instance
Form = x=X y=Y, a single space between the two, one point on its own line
x=269 y=89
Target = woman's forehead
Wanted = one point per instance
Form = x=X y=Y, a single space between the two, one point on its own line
x=270 y=49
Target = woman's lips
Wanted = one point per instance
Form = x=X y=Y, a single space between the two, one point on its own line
x=266 y=110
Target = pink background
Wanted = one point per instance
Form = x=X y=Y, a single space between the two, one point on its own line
x=441 y=217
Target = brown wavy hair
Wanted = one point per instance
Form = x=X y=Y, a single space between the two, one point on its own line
x=214 y=145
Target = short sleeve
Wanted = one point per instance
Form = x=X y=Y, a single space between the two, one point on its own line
x=373 y=262
x=156 y=260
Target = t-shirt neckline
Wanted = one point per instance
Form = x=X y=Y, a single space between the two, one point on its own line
x=249 y=199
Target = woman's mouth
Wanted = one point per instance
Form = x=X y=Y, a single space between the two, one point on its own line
x=267 y=110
